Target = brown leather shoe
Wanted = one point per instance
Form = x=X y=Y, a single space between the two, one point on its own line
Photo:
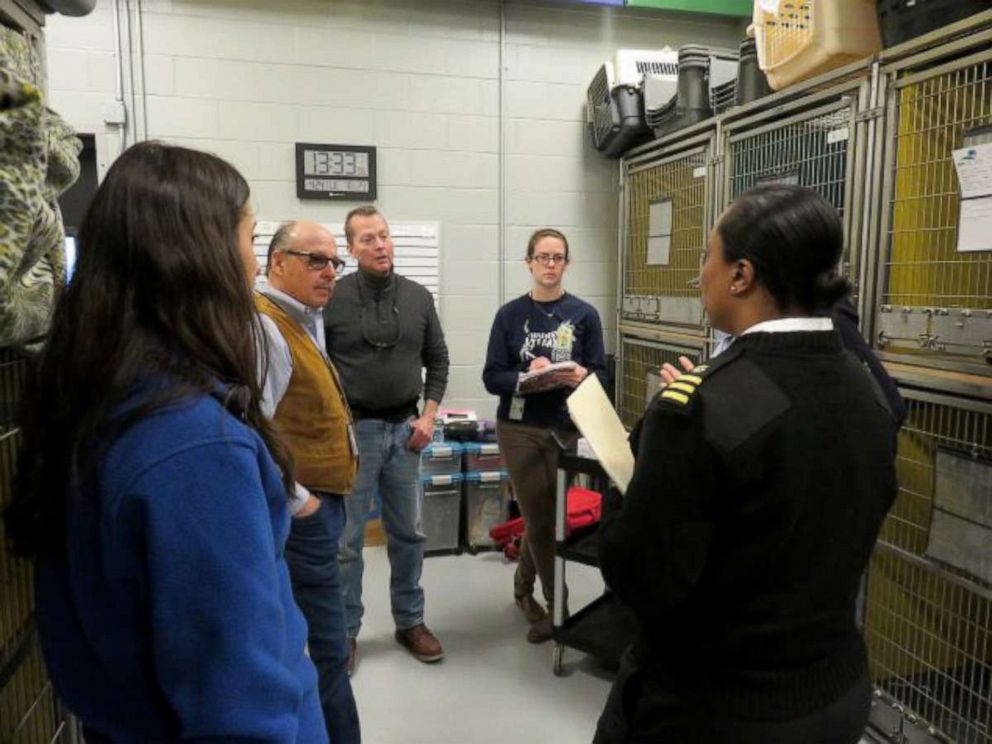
x=420 y=642
x=352 y=655
x=540 y=631
x=531 y=610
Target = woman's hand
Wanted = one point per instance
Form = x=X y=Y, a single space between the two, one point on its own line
x=572 y=378
x=539 y=363
x=670 y=374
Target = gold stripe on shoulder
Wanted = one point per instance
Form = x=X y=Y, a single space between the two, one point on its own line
x=676 y=396
x=694 y=379
x=683 y=386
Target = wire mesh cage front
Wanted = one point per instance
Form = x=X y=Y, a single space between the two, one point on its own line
x=935 y=300
x=813 y=152
x=666 y=225
x=928 y=612
x=29 y=713
x=640 y=363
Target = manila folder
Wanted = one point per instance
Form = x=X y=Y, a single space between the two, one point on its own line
x=594 y=416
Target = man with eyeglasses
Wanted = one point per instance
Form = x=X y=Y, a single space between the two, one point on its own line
x=303 y=395
x=382 y=333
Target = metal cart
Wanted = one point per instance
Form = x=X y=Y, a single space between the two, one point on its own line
x=604 y=627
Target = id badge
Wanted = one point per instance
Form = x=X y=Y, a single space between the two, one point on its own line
x=352 y=440
x=516 y=408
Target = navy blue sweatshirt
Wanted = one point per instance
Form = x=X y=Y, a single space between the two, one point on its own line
x=566 y=329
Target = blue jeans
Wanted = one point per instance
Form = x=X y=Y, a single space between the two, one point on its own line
x=387 y=466
x=311 y=553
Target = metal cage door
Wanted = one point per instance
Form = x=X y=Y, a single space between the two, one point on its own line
x=667 y=207
x=639 y=368
x=816 y=143
x=934 y=298
x=928 y=605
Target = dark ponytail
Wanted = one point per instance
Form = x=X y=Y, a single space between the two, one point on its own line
x=794 y=238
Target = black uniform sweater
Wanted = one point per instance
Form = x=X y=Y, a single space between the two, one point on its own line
x=760 y=486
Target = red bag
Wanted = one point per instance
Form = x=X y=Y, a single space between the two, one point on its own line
x=584 y=509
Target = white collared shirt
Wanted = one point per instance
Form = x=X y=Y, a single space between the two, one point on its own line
x=791 y=325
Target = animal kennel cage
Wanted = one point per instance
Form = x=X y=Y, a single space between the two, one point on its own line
x=639 y=364
x=816 y=141
x=29 y=712
x=928 y=609
x=934 y=279
x=667 y=208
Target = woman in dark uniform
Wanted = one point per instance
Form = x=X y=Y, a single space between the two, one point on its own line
x=760 y=485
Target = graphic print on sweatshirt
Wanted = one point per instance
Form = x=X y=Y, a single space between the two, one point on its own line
x=556 y=345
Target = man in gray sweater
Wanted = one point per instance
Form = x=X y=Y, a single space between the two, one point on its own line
x=382 y=331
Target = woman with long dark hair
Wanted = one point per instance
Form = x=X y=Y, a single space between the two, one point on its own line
x=152 y=491
x=760 y=484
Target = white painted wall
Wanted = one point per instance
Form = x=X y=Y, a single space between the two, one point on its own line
x=246 y=79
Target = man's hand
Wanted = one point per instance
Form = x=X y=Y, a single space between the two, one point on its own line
x=539 y=363
x=312 y=504
x=422 y=432
x=670 y=374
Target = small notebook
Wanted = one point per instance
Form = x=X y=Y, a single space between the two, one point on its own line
x=544 y=379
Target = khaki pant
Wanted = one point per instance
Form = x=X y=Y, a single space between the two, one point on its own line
x=531 y=456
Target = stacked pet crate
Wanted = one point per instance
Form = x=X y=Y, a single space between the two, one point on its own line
x=486 y=494
x=441 y=485
x=928 y=605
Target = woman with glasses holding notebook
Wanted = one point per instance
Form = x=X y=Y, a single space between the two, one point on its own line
x=545 y=328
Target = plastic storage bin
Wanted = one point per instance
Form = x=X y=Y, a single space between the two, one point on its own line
x=441 y=458
x=800 y=39
x=487 y=503
x=902 y=20
x=441 y=511
x=482 y=456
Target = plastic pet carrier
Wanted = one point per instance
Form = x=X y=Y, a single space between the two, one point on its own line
x=614 y=100
x=902 y=20
x=800 y=39
x=703 y=88
x=751 y=81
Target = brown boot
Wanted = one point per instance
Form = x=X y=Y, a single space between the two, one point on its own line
x=420 y=642
x=532 y=611
x=540 y=631
x=352 y=655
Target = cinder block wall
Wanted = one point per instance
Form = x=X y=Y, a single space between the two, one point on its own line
x=247 y=79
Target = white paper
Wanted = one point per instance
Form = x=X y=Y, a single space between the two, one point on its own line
x=974 y=168
x=660 y=218
x=838 y=135
x=595 y=418
x=975 y=225
x=659 y=250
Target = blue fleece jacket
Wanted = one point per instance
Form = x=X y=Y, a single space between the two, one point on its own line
x=171 y=617
x=567 y=329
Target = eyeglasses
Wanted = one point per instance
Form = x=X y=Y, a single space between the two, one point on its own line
x=318 y=261
x=547 y=259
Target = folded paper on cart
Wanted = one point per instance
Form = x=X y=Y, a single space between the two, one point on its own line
x=546 y=378
x=598 y=422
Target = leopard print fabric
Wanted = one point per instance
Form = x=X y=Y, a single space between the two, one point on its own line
x=39 y=159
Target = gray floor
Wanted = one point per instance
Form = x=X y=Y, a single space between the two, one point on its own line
x=492 y=687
